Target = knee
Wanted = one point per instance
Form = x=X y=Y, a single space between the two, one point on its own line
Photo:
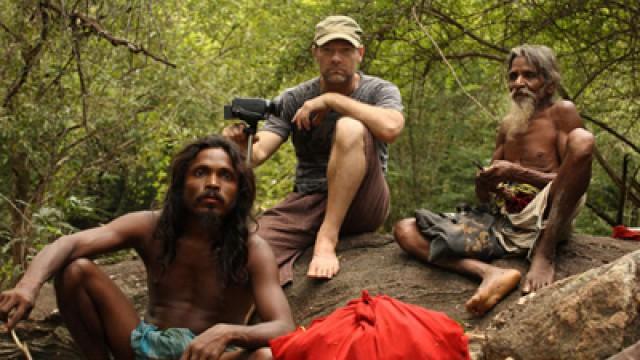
x=581 y=144
x=262 y=354
x=74 y=273
x=404 y=232
x=349 y=133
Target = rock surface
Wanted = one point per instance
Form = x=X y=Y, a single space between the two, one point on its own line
x=591 y=315
x=373 y=262
x=377 y=264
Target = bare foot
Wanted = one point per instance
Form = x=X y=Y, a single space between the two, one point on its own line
x=323 y=266
x=541 y=274
x=495 y=285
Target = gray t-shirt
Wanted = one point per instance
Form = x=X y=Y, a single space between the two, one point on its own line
x=313 y=147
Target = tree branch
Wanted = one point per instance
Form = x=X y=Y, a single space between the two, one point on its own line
x=435 y=44
x=15 y=36
x=475 y=55
x=95 y=27
x=30 y=58
x=96 y=164
x=601 y=214
x=465 y=31
x=44 y=89
x=612 y=132
x=599 y=72
x=615 y=178
x=83 y=87
x=565 y=95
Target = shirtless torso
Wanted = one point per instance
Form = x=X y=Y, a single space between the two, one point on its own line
x=535 y=155
x=538 y=147
x=190 y=294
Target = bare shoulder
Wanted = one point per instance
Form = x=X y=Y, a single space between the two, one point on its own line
x=564 y=108
x=139 y=224
x=259 y=252
x=565 y=115
x=258 y=247
x=141 y=220
x=132 y=230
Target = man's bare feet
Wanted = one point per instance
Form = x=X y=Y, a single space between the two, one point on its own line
x=324 y=264
x=496 y=284
x=541 y=273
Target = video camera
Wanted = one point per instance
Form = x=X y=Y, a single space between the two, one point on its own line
x=251 y=110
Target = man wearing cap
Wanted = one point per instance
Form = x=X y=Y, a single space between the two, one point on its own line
x=340 y=124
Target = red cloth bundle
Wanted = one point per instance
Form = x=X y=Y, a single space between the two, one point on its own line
x=623 y=232
x=372 y=328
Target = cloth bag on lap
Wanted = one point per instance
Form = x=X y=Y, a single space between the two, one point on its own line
x=373 y=328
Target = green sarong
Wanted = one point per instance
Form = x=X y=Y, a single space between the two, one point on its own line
x=150 y=343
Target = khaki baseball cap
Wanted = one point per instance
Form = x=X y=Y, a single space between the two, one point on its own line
x=338 y=27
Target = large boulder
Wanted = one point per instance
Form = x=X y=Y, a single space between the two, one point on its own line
x=371 y=261
x=591 y=315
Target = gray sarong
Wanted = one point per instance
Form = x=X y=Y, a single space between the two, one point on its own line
x=485 y=235
x=468 y=233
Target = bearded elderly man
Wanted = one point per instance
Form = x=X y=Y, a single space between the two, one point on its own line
x=531 y=192
x=340 y=124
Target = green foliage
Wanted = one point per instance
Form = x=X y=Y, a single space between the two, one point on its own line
x=88 y=125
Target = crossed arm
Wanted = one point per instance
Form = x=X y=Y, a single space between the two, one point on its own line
x=385 y=124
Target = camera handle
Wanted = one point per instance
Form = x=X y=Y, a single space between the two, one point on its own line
x=251 y=132
x=250 y=110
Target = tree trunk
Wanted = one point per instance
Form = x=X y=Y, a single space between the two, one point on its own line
x=20 y=214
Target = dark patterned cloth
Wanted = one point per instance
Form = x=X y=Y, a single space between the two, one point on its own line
x=487 y=233
x=468 y=233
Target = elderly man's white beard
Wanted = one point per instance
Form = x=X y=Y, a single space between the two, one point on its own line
x=517 y=119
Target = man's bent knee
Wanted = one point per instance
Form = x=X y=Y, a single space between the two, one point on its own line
x=580 y=144
x=349 y=133
x=404 y=232
x=75 y=272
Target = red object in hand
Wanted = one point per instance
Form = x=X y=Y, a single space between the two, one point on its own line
x=623 y=232
x=376 y=328
x=518 y=203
